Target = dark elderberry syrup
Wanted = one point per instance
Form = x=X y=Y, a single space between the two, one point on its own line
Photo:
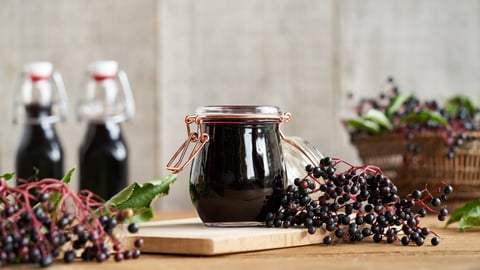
x=103 y=159
x=103 y=154
x=40 y=153
x=235 y=176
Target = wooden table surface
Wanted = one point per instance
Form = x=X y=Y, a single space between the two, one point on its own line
x=457 y=250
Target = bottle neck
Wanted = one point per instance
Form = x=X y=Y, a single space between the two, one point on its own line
x=44 y=130
x=106 y=129
x=36 y=113
x=36 y=110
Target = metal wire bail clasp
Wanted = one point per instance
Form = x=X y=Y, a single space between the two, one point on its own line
x=196 y=139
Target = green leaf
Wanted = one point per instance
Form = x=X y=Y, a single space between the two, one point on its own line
x=56 y=196
x=396 y=103
x=67 y=178
x=140 y=197
x=424 y=116
x=471 y=219
x=462 y=211
x=436 y=117
x=365 y=125
x=455 y=103
x=7 y=176
x=143 y=214
x=378 y=117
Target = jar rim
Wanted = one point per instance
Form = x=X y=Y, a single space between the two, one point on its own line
x=239 y=110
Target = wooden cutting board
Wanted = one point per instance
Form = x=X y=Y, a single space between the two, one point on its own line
x=190 y=236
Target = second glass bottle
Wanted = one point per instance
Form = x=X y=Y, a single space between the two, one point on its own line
x=106 y=103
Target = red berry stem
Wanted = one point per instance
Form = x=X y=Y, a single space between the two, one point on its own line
x=39 y=219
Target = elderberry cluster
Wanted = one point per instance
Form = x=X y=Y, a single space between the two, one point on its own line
x=40 y=221
x=459 y=124
x=357 y=203
x=415 y=116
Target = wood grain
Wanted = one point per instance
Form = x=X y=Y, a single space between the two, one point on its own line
x=192 y=237
x=456 y=251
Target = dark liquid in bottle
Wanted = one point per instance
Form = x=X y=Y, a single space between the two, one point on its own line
x=236 y=175
x=103 y=160
x=40 y=149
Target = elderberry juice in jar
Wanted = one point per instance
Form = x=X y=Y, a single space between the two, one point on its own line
x=238 y=165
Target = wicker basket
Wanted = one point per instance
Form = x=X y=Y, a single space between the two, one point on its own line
x=429 y=167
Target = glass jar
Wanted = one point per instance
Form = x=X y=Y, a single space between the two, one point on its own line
x=299 y=153
x=238 y=169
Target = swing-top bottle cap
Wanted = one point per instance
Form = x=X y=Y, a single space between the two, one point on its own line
x=38 y=70
x=103 y=69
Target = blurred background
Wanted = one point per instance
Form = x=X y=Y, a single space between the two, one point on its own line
x=304 y=56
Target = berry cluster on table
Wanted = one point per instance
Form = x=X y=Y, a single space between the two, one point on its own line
x=41 y=221
x=352 y=203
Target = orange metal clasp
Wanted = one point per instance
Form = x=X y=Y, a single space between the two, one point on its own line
x=196 y=139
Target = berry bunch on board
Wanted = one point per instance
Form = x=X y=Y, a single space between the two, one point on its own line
x=41 y=221
x=352 y=203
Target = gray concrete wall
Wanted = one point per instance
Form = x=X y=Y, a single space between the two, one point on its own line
x=301 y=55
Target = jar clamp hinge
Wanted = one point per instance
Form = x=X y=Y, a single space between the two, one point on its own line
x=197 y=138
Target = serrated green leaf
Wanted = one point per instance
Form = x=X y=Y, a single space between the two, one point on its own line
x=378 y=117
x=124 y=195
x=365 y=125
x=462 y=211
x=471 y=219
x=396 y=103
x=140 y=197
x=7 y=176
